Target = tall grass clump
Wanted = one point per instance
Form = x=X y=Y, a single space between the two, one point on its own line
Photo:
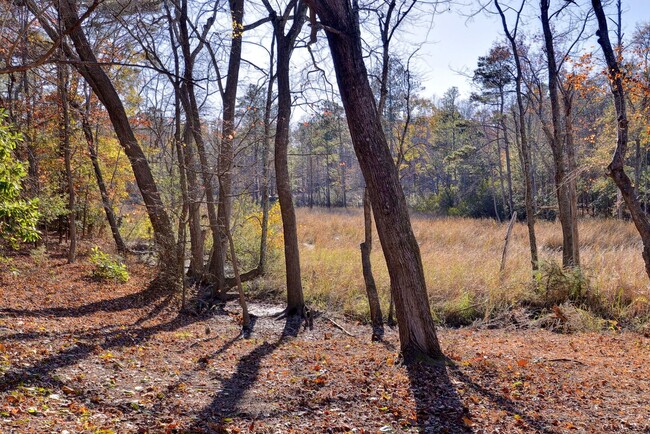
x=461 y=259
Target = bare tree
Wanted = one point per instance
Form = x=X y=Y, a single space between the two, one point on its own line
x=511 y=34
x=285 y=43
x=563 y=153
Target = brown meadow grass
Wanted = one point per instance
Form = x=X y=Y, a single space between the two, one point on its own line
x=461 y=259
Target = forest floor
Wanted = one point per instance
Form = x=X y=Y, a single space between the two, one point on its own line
x=78 y=355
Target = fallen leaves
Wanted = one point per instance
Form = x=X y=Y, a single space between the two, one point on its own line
x=95 y=360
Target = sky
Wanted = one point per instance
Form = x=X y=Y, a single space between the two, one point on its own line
x=454 y=43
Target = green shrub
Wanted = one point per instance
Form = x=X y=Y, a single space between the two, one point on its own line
x=556 y=285
x=18 y=216
x=108 y=267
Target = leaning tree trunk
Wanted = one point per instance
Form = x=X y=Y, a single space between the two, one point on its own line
x=416 y=327
x=617 y=166
x=101 y=84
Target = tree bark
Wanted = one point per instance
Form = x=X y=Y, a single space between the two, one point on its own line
x=193 y=120
x=266 y=145
x=617 y=166
x=194 y=198
x=416 y=327
x=506 y=147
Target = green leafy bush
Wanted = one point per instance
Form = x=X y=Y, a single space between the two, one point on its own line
x=18 y=217
x=108 y=267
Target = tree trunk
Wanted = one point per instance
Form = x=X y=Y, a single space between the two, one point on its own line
x=227 y=153
x=246 y=319
x=617 y=166
x=182 y=171
x=371 y=289
x=416 y=327
x=193 y=119
x=67 y=158
x=506 y=147
x=105 y=91
x=194 y=198
x=266 y=145
x=525 y=151
x=342 y=166
x=284 y=43
x=567 y=220
x=572 y=168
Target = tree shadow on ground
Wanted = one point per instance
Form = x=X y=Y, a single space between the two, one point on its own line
x=438 y=406
x=42 y=369
x=228 y=401
x=144 y=298
x=93 y=341
x=528 y=423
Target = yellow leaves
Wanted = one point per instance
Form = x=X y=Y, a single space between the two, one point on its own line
x=237 y=29
x=106 y=356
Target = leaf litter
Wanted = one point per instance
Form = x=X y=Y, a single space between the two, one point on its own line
x=78 y=355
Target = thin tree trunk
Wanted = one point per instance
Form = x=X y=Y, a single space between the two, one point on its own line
x=525 y=150
x=572 y=168
x=285 y=43
x=371 y=289
x=182 y=224
x=504 y=254
x=506 y=147
x=246 y=319
x=265 y=164
x=504 y=202
x=193 y=120
x=99 y=178
x=343 y=167
x=194 y=195
x=67 y=157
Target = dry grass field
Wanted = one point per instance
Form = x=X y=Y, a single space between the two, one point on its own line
x=461 y=260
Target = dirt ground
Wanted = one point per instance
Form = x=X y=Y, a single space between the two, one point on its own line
x=78 y=355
